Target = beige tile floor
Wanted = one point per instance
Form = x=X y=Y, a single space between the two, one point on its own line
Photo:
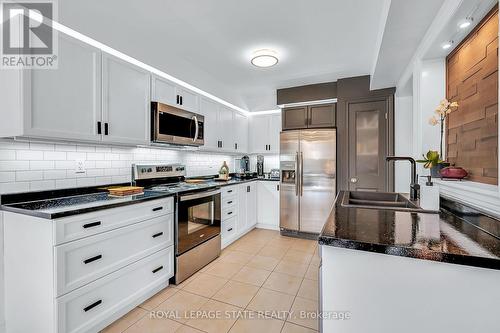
x=261 y=277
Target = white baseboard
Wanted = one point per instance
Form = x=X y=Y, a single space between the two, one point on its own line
x=267 y=226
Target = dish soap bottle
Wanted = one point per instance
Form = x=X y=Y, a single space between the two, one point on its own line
x=224 y=171
x=429 y=195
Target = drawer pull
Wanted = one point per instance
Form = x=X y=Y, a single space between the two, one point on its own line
x=229 y=202
x=157 y=209
x=93 y=305
x=230 y=191
x=157 y=269
x=89 y=260
x=229 y=213
x=158 y=234
x=93 y=224
x=230 y=229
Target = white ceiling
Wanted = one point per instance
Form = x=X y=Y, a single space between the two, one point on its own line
x=209 y=43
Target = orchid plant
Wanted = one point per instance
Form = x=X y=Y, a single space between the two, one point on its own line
x=444 y=108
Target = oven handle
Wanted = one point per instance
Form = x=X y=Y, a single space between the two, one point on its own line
x=197 y=128
x=198 y=195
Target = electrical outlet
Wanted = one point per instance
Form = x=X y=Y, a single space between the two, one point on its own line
x=80 y=166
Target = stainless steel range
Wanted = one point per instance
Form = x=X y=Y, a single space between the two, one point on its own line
x=197 y=215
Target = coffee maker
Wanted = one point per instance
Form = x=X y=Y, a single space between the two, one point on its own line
x=244 y=164
x=260 y=166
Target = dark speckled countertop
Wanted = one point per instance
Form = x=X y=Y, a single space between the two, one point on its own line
x=67 y=202
x=444 y=237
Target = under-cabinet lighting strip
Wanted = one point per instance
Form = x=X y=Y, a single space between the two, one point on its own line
x=256 y=113
x=75 y=34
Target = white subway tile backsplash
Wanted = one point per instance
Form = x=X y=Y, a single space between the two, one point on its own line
x=54 y=155
x=42 y=165
x=14 y=165
x=29 y=155
x=28 y=175
x=34 y=166
x=42 y=185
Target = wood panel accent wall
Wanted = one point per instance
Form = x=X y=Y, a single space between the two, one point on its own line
x=472 y=81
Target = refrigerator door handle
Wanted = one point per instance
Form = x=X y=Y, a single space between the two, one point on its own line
x=301 y=174
x=297 y=172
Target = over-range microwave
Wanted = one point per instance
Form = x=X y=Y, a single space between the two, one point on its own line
x=172 y=125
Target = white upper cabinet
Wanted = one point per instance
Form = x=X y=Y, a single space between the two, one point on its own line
x=240 y=131
x=225 y=128
x=167 y=92
x=126 y=102
x=188 y=100
x=163 y=91
x=64 y=103
x=265 y=134
x=209 y=109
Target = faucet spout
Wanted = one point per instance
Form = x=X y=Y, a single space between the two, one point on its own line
x=414 y=186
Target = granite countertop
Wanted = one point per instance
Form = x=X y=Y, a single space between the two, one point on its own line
x=67 y=202
x=443 y=237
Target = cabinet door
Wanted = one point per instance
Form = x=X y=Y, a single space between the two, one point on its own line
x=367 y=146
x=322 y=116
x=295 y=118
x=251 y=205
x=274 y=133
x=268 y=204
x=65 y=103
x=225 y=128
x=210 y=110
x=242 y=208
x=259 y=134
x=126 y=101
x=240 y=125
x=163 y=91
x=188 y=101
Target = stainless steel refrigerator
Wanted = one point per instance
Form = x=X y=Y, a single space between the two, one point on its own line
x=308 y=179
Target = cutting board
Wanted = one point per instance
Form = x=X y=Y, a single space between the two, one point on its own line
x=125 y=190
x=194 y=181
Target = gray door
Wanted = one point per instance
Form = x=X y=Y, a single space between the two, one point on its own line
x=368 y=142
x=294 y=118
x=318 y=175
x=289 y=180
x=322 y=116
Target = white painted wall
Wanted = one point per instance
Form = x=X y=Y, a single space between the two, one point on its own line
x=403 y=143
x=429 y=88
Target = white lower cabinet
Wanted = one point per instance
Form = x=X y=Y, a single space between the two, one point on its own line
x=70 y=278
x=268 y=210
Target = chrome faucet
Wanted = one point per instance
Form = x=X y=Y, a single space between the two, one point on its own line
x=414 y=186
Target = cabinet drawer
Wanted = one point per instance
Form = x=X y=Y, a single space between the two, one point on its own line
x=90 y=308
x=229 y=202
x=80 y=226
x=229 y=212
x=229 y=191
x=229 y=229
x=85 y=260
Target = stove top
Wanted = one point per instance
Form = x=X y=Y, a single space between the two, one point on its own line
x=179 y=187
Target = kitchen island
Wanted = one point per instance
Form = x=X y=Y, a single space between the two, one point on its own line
x=391 y=269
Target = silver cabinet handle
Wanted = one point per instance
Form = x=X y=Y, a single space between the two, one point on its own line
x=354 y=180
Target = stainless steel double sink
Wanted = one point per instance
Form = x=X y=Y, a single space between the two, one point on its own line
x=381 y=200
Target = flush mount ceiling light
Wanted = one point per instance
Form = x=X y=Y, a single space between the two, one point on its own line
x=264 y=58
x=465 y=23
x=447 y=45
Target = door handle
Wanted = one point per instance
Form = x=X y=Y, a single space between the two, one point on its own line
x=354 y=180
x=301 y=174
x=297 y=171
x=196 y=126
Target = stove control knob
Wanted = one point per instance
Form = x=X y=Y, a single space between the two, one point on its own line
x=150 y=170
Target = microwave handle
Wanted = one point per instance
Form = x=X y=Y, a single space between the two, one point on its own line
x=197 y=128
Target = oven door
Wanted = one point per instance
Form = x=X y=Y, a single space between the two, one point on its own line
x=175 y=126
x=198 y=218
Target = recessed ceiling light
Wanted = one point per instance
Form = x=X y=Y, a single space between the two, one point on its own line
x=447 y=45
x=264 y=58
x=465 y=23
